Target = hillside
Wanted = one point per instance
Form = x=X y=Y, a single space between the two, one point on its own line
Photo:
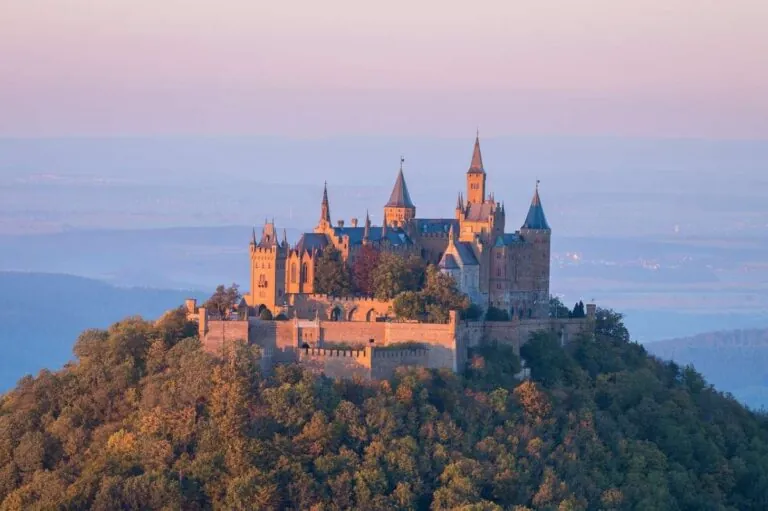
x=145 y=420
x=41 y=315
x=735 y=361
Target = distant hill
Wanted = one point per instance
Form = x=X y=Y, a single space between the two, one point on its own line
x=734 y=361
x=42 y=314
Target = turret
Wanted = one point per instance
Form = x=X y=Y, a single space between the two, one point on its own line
x=536 y=232
x=400 y=209
x=459 y=207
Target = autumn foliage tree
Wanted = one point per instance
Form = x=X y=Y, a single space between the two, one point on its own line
x=223 y=300
x=363 y=268
x=145 y=419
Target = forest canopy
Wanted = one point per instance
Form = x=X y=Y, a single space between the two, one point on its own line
x=144 y=419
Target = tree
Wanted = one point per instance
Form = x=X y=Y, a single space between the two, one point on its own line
x=363 y=270
x=441 y=295
x=409 y=305
x=557 y=309
x=495 y=314
x=331 y=274
x=610 y=323
x=391 y=277
x=223 y=300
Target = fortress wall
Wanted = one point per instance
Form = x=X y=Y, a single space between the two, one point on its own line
x=279 y=337
x=216 y=332
x=518 y=332
x=441 y=339
x=386 y=361
x=337 y=363
x=354 y=333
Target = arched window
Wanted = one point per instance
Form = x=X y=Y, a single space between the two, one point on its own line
x=293 y=273
x=304 y=273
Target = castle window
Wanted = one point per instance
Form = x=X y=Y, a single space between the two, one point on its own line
x=304 y=273
x=293 y=273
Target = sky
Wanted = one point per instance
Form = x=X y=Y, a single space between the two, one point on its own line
x=666 y=68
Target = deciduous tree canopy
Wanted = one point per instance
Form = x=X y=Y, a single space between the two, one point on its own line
x=144 y=419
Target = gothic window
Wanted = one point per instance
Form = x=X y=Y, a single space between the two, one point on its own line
x=304 y=273
x=293 y=273
x=498 y=272
x=262 y=280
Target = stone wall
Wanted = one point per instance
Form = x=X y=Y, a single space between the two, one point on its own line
x=337 y=363
x=386 y=361
x=447 y=344
x=219 y=331
x=310 y=306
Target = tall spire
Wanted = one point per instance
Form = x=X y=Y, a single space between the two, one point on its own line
x=325 y=208
x=536 y=218
x=367 y=230
x=459 y=203
x=285 y=237
x=476 y=166
x=253 y=236
x=451 y=238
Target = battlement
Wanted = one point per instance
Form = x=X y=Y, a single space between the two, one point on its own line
x=342 y=299
x=400 y=353
x=363 y=353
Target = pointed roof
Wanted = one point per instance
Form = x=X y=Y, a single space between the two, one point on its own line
x=400 y=197
x=459 y=202
x=367 y=228
x=325 y=208
x=536 y=218
x=476 y=166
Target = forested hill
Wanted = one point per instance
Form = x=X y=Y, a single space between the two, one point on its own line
x=145 y=420
x=735 y=361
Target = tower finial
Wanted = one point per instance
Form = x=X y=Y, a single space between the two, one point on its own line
x=325 y=208
x=253 y=236
x=402 y=160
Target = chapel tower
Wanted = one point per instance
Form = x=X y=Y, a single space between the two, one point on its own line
x=476 y=176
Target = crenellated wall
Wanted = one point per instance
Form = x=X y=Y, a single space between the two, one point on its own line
x=337 y=363
x=446 y=345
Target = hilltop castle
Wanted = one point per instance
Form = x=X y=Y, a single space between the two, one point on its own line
x=358 y=336
x=509 y=271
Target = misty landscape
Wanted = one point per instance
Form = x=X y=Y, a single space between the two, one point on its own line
x=670 y=232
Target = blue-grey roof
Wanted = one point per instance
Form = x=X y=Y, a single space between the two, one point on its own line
x=448 y=263
x=436 y=225
x=310 y=241
x=394 y=235
x=466 y=254
x=536 y=218
x=507 y=239
x=400 y=196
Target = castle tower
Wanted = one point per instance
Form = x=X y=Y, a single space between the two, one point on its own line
x=536 y=230
x=476 y=176
x=325 y=212
x=268 y=262
x=399 y=210
x=459 y=207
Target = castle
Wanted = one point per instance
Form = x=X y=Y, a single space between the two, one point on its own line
x=508 y=271
x=358 y=336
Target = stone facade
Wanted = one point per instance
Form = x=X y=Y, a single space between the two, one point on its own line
x=505 y=270
x=372 y=349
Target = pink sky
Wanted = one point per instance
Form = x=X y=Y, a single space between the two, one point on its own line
x=691 y=68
